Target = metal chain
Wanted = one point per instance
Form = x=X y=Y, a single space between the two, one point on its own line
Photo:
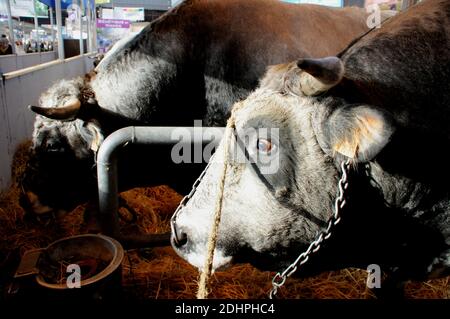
x=280 y=278
x=186 y=198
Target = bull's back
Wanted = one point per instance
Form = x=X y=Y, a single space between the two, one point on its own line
x=405 y=66
x=230 y=43
x=311 y=29
x=250 y=35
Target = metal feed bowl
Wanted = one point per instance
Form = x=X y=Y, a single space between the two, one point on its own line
x=90 y=246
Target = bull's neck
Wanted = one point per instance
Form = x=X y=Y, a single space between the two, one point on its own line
x=420 y=195
x=398 y=191
x=138 y=80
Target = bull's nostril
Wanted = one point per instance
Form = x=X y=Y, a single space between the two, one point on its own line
x=180 y=238
x=52 y=145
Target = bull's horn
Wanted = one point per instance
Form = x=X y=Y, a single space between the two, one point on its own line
x=68 y=112
x=320 y=75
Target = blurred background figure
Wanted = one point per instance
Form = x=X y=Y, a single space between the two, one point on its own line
x=19 y=47
x=5 y=47
x=27 y=46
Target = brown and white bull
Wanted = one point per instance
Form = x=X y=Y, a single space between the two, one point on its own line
x=383 y=104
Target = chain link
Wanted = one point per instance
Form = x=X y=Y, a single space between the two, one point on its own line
x=280 y=278
x=188 y=197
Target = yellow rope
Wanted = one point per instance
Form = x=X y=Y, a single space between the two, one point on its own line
x=202 y=292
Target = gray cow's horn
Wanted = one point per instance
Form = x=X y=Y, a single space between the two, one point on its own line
x=320 y=75
x=68 y=112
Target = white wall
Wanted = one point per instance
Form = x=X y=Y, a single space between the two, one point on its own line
x=20 y=89
x=13 y=62
x=175 y=2
x=146 y=4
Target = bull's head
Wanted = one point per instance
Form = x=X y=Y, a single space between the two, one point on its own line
x=268 y=215
x=65 y=138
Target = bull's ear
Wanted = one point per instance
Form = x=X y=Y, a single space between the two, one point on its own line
x=319 y=75
x=92 y=133
x=98 y=137
x=358 y=132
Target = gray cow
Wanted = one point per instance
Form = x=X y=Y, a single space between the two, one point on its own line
x=383 y=104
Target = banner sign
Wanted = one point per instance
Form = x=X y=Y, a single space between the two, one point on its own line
x=131 y=14
x=65 y=4
x=329 y=3
x=3 y=10
x=113 y=23
x=51 y=3
x=391 y=3
x=24 y=8
x=107 y=13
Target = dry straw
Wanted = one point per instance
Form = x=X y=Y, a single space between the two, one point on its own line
x=159 y=273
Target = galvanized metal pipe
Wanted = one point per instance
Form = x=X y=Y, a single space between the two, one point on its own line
x=59 y=29
x=11 y=27
x=52 y=23
x=89 y=26
x=108 y=178
x=36 y=26
x=80 y=23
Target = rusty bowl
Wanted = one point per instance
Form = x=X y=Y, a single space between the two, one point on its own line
x=89 y=250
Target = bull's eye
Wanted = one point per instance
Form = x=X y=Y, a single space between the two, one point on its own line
x=264 y=146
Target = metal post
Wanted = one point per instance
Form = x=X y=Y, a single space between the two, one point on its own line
x=59 y=29
x=107 y=168
x=80 y=22
x=52 y=23
x=408 y=3
x=94 y=27
x=89 y=26
x=10 y=26
x=36 y=26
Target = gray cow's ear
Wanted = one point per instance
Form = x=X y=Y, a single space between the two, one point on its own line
x=319 y=75
x=357 y=132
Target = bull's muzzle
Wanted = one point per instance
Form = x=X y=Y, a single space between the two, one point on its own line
x=178 y=238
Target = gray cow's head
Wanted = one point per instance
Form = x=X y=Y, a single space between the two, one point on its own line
x=65 y=136
x=268 y=215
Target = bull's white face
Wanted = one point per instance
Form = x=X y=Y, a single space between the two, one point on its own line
x=268 y=215
x=265 y=212
x=59 y=171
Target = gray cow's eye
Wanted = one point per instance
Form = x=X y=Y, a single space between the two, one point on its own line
x=264 y=146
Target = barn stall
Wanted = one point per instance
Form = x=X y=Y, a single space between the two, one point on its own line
x=158 y=273
x=145 y=273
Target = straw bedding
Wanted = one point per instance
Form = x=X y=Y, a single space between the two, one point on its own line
x=159 y=273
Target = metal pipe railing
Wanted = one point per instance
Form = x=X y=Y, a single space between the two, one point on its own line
x=108 y=178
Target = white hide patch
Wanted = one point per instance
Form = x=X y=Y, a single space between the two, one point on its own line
x=116 y=47
x=127 y=88
x=198 y=260
x=198 y=228
x=248 y=218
